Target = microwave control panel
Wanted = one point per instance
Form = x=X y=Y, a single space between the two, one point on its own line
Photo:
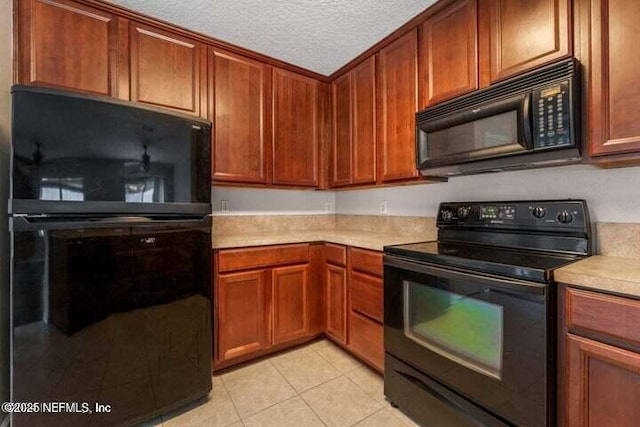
x=552 y=116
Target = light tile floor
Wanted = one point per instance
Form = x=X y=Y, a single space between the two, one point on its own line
x=314 y=385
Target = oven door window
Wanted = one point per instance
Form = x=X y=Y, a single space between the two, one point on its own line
x=457 y=326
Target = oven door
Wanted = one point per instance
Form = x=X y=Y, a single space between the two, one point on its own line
x=483 y=337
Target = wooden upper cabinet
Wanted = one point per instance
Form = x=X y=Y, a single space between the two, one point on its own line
x=290 y=311
x=342 y=168
x=167 y=70
x=397 y=106
x=522 y=34
x=67 y=45
x=449 y=53
x=240 y=110
x=364 y=123
x=614 y=101
x=354 y=140
x=295 y=129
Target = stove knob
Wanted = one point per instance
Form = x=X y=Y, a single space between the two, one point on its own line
x=446 y=215
x=539 y=212
x=565 y=217
x=464 y=211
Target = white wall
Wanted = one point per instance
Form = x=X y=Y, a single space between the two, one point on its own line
x=260 y=201
x=5 y=119
x=612 y=195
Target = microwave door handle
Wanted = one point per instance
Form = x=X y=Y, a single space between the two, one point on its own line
x=526 y=122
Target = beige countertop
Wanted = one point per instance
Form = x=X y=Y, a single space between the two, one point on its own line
x=604 y=273
x=361 y=239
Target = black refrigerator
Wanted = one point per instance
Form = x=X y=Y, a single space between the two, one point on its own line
x=111 y=260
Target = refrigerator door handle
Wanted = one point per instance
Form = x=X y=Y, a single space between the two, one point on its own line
x=30 y=223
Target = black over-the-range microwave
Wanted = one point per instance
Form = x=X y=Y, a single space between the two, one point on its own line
x=527 y=121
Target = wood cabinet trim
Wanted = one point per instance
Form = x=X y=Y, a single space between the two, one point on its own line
x=198 y=68
x=265 y=175
x=384 y=175
x=425 y=47
x=580 y=352
x=608 y=317
x=26 y=49
x=296 y=181
x=262 y=257
x=562 y=40
x=277 y=272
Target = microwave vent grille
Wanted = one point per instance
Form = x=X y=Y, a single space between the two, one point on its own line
x=519 y=84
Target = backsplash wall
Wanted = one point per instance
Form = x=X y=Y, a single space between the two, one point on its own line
x=613 y=195
x=249 y=201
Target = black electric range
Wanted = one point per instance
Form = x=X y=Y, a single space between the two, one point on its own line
x=470 y=319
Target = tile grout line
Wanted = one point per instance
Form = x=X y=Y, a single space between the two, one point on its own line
x=235 y=408
x=299 y=394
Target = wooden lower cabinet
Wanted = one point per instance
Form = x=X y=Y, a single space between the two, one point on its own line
x=265 y=298
x=271 y=297
x=366 y=306
x=290 y=311
x=336 y=282
x=603 y=384
x=366 y=339
x=600 y=361
x=243 y=321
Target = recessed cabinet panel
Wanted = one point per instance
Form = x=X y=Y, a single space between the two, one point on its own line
x=295 y=129
x=166 y=69
x=603 y=384
x=364 y=123
x=240 y=113
x=448 y=53
x=397 y=107
x=614 y=100
x=242 y=319
x=336 y=302
x=290 y=312
x=67 y=45
x=342 y=128
x=525 y=34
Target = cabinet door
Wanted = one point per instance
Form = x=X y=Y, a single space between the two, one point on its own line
x=290 y=311
x=397 y=107
x=364 y=123
x=366 y=339
x=67 y=45
x=295 y=129
x=614 y=100
x=522 y=35
x=603 y=384
x=336 y=278
x=240 y=111
x=243 y=318
x=342 y=131
x=449 y=53
x=167 y=69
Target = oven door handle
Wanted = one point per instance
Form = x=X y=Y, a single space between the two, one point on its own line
x=513 y=286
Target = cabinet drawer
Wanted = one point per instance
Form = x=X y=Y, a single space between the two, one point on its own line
x=366 y=295
x=366 y=261
x=335 y=254
x=366 y=340
x=607 y=315
x=266 y=256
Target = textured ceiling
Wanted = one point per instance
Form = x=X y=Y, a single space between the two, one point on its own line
x=320 y=35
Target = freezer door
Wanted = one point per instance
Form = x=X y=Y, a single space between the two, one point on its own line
x=112 y=311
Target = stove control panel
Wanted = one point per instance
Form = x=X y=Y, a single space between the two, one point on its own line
x=548 y=215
